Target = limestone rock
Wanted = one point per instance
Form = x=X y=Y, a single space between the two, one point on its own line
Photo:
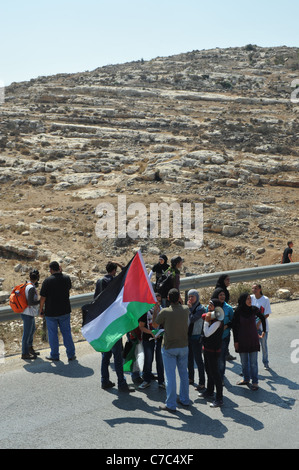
x=231 y=231
x=284 y=294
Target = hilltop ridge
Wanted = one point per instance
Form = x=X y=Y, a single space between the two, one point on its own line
x=215 y=126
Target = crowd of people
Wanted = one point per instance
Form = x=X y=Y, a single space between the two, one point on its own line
x=198 y=334
x=188 y=335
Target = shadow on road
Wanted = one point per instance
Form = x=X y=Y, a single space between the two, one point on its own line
x=72 y=369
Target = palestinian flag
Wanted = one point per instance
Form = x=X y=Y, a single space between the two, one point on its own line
x=117 y=308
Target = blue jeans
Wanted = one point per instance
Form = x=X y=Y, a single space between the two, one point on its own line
x=118 y=364
x=195 y=354
x=149 y=348
x=249 y=366
x=264 y=347
x=28 y=332
x=64 y=323
x=172 y=358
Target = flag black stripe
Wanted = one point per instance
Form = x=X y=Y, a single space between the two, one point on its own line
x=106 y=297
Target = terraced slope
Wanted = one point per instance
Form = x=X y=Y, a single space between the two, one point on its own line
x=215 y=126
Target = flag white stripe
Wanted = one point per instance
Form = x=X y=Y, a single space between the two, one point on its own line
x=94 y=329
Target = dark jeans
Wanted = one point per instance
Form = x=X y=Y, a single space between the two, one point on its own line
x=118 y=364
x=223 y=354
x=28 y=332
x=150 y=348
x=213 y=374
x=195 y=354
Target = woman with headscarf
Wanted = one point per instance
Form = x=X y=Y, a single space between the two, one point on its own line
x=212 y=329
x=195 y=338
x=223 y=282
x=160 y=267
x=246 y=338
x=227 y=322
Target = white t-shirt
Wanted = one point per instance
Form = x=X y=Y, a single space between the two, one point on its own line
x=32 y=310
x=263 y=304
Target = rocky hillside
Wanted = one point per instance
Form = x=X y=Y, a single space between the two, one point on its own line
x=214 y=126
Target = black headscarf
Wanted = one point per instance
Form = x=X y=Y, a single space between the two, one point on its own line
x=220 y=283
x=215 y=295
x=243 y=308
x=216 y=302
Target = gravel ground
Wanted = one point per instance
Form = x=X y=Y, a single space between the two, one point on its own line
x=11 y=332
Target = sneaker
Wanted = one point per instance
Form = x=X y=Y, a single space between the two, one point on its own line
x=165 y=408
x=216 y=404
x=49 y=358
x=162 y=385
x=33 y=352
x=144 y=385
x=205 y=394
x=73 y=358
x=28 y=356
x=107 y=385
x=137 y=381
x=126 y=389
x=200 y=388
x=181 y=403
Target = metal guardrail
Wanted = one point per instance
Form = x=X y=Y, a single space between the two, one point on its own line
x=191 y=282
x=240 y=275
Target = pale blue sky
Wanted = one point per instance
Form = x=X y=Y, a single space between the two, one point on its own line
x=42 y=37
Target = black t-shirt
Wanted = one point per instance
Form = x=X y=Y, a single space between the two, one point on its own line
x=159 y=269
x=56 y=289
x=288 y=251
x=102 y=284
x=147 y=319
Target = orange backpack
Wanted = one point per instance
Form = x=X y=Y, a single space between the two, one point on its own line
x=17 y=299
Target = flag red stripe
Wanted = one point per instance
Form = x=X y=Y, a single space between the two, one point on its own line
x=136 y=287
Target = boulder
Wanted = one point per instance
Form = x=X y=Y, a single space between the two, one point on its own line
x=12 y=250
x=283 y=294
x=232 y=183
x=231 y=230
x=4 y=296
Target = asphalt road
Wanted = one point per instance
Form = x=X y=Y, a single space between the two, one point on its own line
x=61 y=405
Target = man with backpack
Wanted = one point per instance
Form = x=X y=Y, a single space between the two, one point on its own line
x=28 y=316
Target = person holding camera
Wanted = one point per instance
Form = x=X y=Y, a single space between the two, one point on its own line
x=195 y=338
x=28 y=316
